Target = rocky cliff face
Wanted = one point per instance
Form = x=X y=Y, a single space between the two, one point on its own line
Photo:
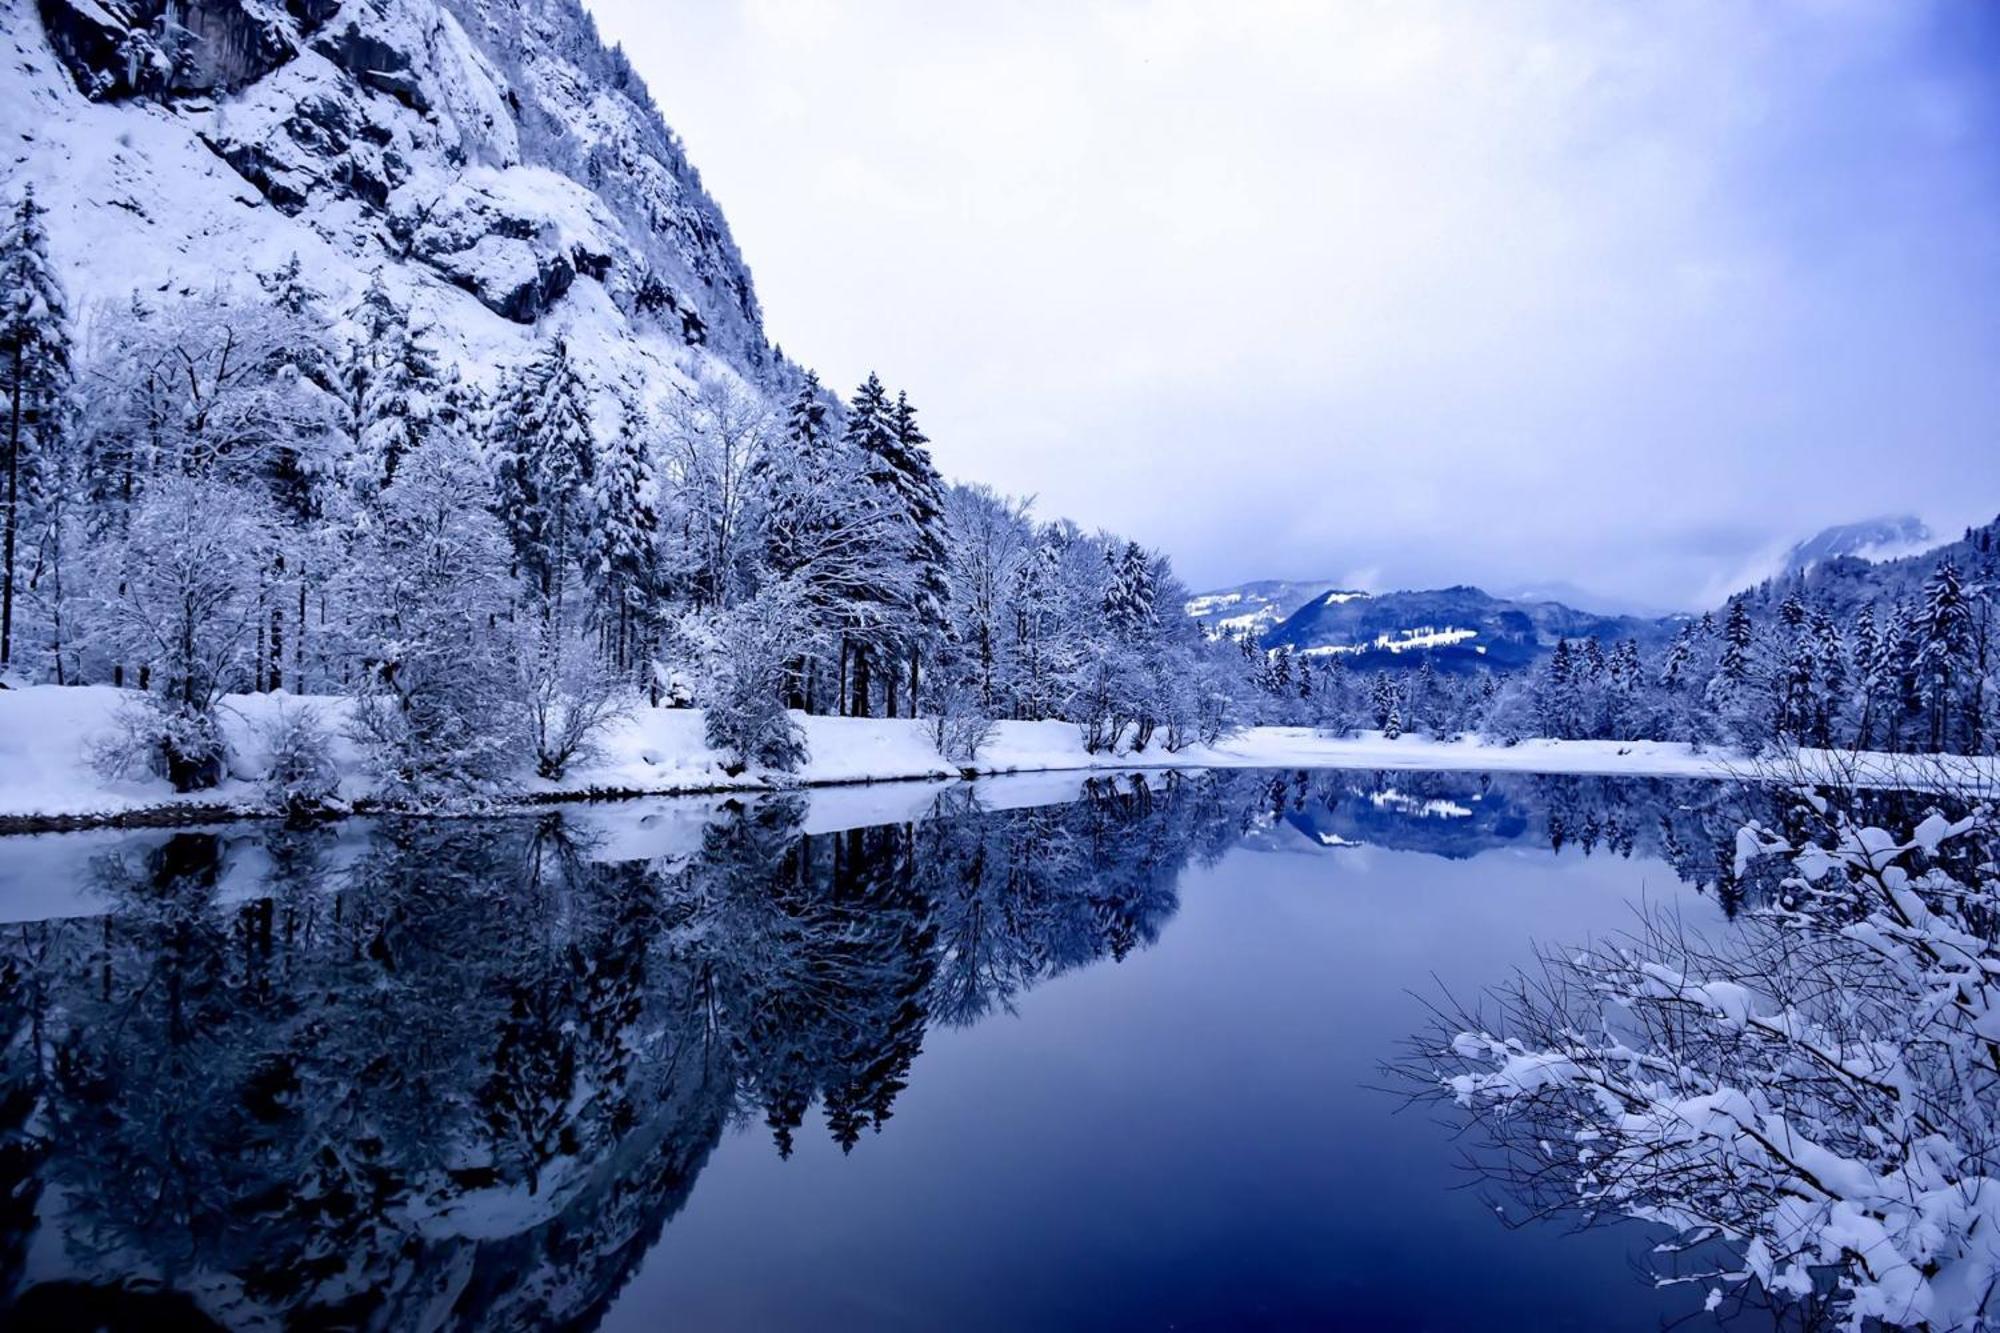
x=501 y=166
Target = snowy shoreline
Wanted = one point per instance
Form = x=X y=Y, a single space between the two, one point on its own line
x=48 y=783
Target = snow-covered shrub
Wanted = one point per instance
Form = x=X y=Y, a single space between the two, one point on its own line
x=742 y=692
x=1815 y=1093
x=1108 y=699
x=569 y=696
x=670 y=687
x=1215 y=711
x=425 y=747
x=153 y=736
x=958 y=724
x=302 y=776
x=1176 y=703
x=1508 y=715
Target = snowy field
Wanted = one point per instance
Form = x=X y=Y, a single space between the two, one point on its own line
x=49 y=736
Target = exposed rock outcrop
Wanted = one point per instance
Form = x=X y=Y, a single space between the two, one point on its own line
x=167 y=48
x=495 y=147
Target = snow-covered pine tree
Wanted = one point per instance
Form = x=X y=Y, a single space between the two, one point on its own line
x=1594 y=662
x=1738 y=633
x=1382 y=698
x=292 y=295
x=1871 y=673
x=308 y=466
x=823 y=529
x=793 y=479
x=1424 y=710
x=1557 y=692
x=1944 y=642
x=1905 y=681
x=871 y=431
x=544 y=460
x=920 y=490
x=1679 y=655
x=1830 y=671
x=1130 y=595
x=621 y=548
x=34 y=382
x=1624 y=679
x=391 y=387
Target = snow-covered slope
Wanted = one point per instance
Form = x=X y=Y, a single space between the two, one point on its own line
x=1460 y=628
x=508 y=174
x=1880 y=567
x=1259 y=606
x=1871 y=539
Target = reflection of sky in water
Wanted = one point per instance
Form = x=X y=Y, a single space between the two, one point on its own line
x=1185 y=1139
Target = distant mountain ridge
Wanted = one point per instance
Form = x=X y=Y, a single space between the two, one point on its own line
x=1460 y=628
x=1258 y=606
x=1874 y=539
x=1465 y=628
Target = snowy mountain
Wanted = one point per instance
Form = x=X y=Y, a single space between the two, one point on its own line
x=1465 y=628
x=507 y=174
x=1460 y=628
x=1874 y=539
x=1258 y=606
x=1881 y=572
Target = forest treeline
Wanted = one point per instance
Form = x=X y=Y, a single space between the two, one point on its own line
x=242 y=489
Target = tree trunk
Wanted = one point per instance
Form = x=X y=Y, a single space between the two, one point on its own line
x=299 y=640
x=860 y=703
x=13 y=512
x=277 y=679
x=916 y=659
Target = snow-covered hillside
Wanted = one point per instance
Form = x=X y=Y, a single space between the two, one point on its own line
x=506 y=173
x=1458 y=628
x=1259 y=606
x=1875 y=540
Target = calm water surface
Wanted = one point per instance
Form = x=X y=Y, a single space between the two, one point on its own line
x=1032 y=1054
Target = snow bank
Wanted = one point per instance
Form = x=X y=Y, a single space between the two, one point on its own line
x=48 y=735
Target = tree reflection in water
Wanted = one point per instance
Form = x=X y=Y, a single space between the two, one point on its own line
x=464 y=1072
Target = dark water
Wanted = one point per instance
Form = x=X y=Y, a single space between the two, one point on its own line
x=898 y=1059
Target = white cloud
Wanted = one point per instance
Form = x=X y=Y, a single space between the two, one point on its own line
x=1497 y=289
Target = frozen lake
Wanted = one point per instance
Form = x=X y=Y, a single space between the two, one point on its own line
x=1033 y=1054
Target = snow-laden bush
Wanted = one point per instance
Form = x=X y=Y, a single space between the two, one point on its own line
x=1109 y=698
x=958 y=723
x=569 y=696
x=1177 y=704
x=302 y=776
x=1814 y=1094
x=153 y=736
x=1216 y=715
x=742 y=690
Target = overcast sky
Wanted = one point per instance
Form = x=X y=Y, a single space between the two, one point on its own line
x=1393 y=293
